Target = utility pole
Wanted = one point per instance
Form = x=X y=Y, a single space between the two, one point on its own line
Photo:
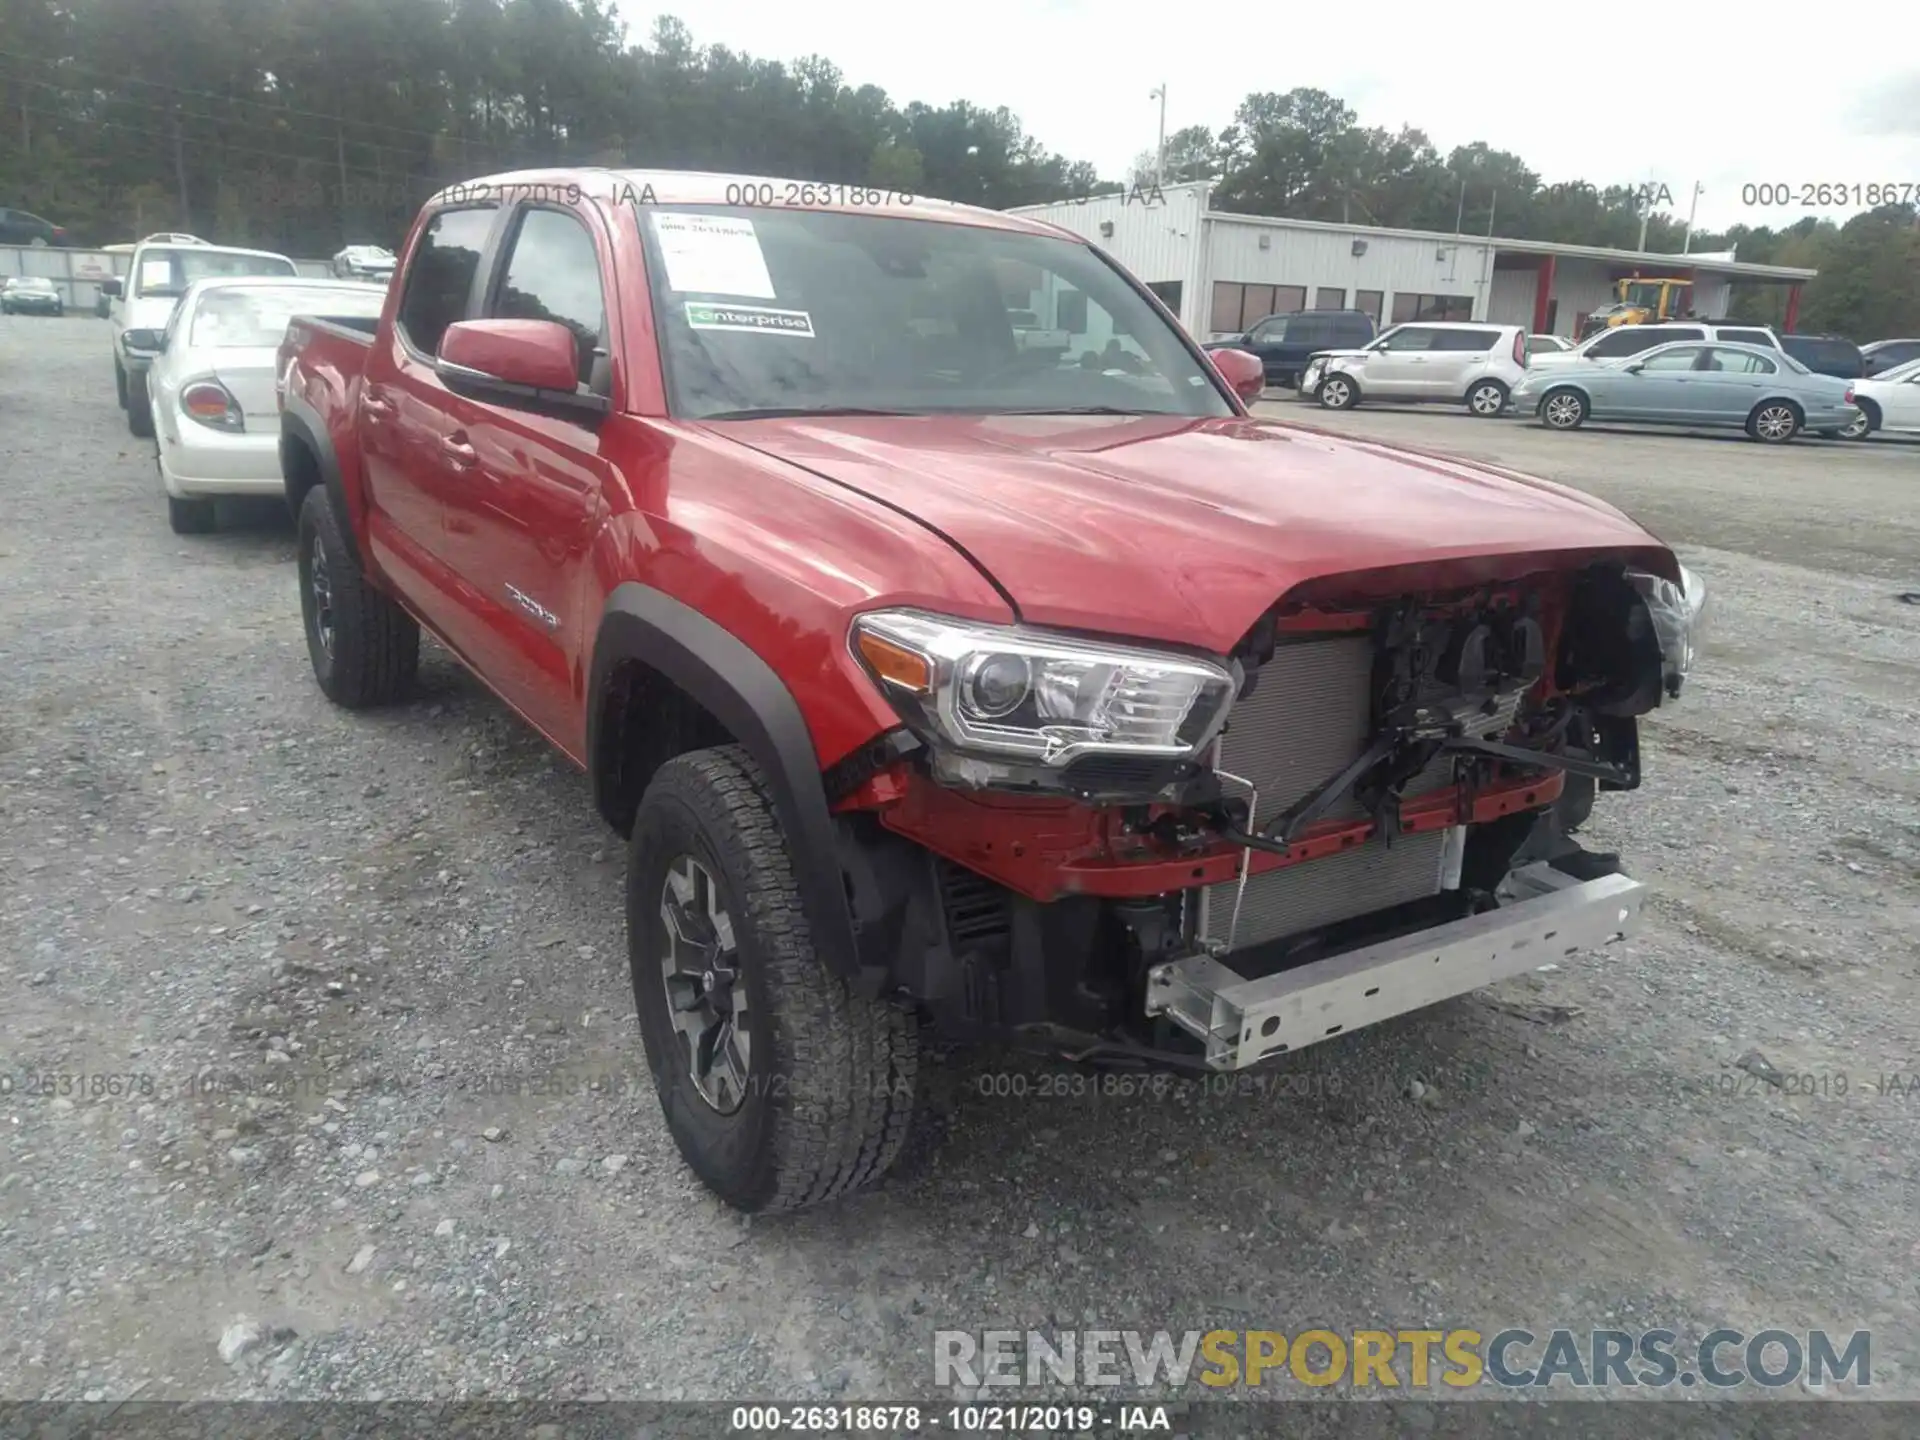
x=1686 y=245
x=180 y=173
x=1159 y=92
x=1646 y=214
x=340 y=155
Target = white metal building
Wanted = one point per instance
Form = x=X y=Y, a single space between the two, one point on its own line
x=1221 y=272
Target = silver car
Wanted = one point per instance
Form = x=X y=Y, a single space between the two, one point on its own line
x=1768 y=393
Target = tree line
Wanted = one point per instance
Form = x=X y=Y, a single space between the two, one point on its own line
x=302 y=125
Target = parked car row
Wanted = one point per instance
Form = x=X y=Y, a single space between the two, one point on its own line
x=1694 y=373
x=194 y=330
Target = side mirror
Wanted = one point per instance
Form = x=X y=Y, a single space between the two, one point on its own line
x=1244 y=373
x=529 y=364
x=1634 y=367
x=112 y=286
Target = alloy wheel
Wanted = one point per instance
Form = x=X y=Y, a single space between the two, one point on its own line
x=1487 y=400
x=320 y=586
x=1562 y=411
x=1776 y=422
x=1858 y=429
x=1335 y=393
x=706 y=994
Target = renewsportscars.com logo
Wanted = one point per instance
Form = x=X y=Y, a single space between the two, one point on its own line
x=1374 y=1360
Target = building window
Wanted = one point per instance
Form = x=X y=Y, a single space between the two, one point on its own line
x=1328 y=297
x=1431 y=307
x=1368 y=302
x=1169 y=293
x=1239 y=307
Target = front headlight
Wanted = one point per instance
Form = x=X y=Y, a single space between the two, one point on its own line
x=1677 y=612
x=1014 y=693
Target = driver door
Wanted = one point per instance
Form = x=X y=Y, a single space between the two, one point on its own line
x=1396 y=364
x=1664 y=386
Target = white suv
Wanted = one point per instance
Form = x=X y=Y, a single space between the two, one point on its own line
x=1455 y=363
x=1625 y=340
x=141 y=302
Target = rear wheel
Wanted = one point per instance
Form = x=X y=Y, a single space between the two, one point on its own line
x=1487 y=398
x=1563 y=410
x=189 y=517
x=365 y=648
x=120 y=384
x=1774 y=422
x=1337 y=392
x=781 y=1085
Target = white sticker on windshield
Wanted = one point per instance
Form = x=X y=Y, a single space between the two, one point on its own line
x=756 y=318
x=712 y=255
x=156 y=274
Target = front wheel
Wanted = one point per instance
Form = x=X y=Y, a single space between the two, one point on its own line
x=781 y=1085
x=139 y=409
x=1773 y=422
x=1564 y=410
x=120 y=384
x=1864 y=424
x=189 y=517
x=1487 y=399
x=364 y=647
x=1337 y=392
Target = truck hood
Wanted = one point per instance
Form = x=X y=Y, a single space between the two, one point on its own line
x=1165 y=528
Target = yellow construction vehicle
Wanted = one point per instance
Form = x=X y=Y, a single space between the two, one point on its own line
x=1641 y=302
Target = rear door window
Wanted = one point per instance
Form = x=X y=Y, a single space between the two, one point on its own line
x=1311 y=330
x=441 y=274
x=1408 y=338
x=1473 y=342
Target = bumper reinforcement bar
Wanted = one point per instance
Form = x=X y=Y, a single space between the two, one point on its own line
x=1543 y=916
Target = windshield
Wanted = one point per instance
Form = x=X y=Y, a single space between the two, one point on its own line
x=810 y=311
x=169 y=272
x=1643 y=295
x=1908 y=371
x=29 y=282
x=256 y=316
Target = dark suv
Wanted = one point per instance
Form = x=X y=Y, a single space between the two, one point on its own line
x=1285 y=343
x=1826 y=354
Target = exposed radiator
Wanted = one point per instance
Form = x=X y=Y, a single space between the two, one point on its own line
x=1319 y=892
x=1308 y=717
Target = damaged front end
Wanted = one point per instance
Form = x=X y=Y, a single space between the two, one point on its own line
x=1366 y=807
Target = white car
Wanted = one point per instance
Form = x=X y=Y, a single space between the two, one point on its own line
x=1626 y=340
x=1448 y=362
x=365 y=262
x=1547 y=345
x=1888 y=401
x=210 y=389
x=140 y=305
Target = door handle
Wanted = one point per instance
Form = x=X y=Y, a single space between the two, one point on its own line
x=458 y=452
x=375 y=407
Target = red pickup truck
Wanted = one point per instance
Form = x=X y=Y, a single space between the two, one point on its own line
x=1034 y=696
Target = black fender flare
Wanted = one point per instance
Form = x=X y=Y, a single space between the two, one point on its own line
x=299 y=423
x=740 y=690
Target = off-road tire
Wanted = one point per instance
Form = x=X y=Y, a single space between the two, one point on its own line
x=189 y=517
x=139 y=408
x=829 y=1101
x=1337 y=392
x=376 y=644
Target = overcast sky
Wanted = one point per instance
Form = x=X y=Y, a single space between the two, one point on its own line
x=1790 y=100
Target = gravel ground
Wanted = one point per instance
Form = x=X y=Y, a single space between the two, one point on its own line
x=390 y=1133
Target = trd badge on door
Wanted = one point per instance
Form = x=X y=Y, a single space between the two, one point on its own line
x=533 y=607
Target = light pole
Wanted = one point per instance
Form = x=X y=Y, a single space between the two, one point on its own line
x=1159 y=92
x=1686 y=245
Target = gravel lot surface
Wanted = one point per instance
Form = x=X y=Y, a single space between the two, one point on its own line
x=390 y=1133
